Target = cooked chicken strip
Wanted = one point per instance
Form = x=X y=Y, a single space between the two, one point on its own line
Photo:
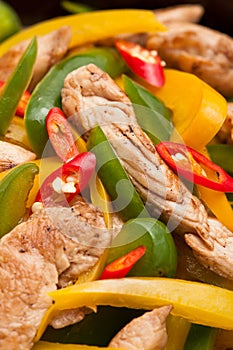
x=199 y=50
x=91 y=97
x=12 y=155
x=51 y=48
x=220 y=259
x=180 y=13
x=36 y=256
x=225 y=134
x=147 y=332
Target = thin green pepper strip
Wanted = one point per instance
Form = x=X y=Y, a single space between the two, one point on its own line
x=16 y=85
x=152 y=115
x=47 y=93
x=14 y=191
x=125 y=198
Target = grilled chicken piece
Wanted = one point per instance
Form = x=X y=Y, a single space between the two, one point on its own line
x=199 y=50
x=180 y=13
x=91 y=97
x=51 y=48
x=225 y=134
x=12 y=155
x=220 y=259
x=52 y=248
x=147 y=332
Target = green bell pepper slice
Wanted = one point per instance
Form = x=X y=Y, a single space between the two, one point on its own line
x=160 y=258
x=47 y=93
x=16 y=85
x=201 y=338
x=152 y=115
x=125 y=198
x=14 y=191
x=9 y=21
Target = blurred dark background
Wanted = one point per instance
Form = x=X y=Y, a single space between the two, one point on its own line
x=219 y=13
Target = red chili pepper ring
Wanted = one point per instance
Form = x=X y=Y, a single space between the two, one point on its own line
x=191 y=165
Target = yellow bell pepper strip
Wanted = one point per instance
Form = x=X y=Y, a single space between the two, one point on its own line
x=197 y=302
x=9 y=21
x=125 y=200
x=177 y=331
x=92 y=26
x=47 y=93
x=14 y=191
x=16 y=85
x=197 y=108
x=43 y=345
x=152 y=115
x=101 y=199
x=201 y=337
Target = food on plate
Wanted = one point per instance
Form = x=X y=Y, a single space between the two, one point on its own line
x=113 y=199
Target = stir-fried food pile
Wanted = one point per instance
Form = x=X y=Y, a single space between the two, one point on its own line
x=116 y=165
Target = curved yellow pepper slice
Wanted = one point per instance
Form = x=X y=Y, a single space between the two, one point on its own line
x=92 y=26
x=198 y=110
x=195 y=301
